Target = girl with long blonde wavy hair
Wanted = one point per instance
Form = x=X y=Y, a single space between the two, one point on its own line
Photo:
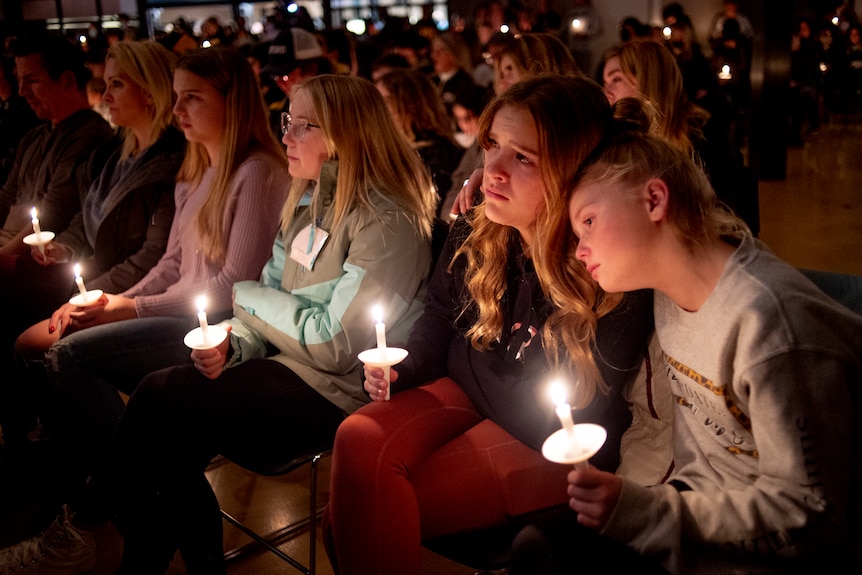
x=456 y=447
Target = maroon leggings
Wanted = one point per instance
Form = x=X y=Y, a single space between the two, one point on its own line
x=422 y=465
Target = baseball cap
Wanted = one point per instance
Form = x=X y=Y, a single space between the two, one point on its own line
x=288 y=49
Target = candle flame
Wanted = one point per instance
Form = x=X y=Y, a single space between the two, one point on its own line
x=377 y=312
x=33 y=213
x=201 y=302
x=77 y=270
x=558 y=392
x=725 y=69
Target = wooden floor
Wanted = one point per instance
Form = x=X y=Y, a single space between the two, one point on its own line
x=812 y=219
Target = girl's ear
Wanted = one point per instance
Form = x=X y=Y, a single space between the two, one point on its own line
x=656 y=193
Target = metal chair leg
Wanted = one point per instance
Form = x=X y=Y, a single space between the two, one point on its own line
x=272 y=540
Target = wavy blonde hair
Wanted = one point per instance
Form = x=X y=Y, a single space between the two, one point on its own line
x=150 y=66
x=659 y=80
x=246 y=131
x=372 y=154
x=570 y=113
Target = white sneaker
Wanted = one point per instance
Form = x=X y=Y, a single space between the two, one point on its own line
x=59 y=550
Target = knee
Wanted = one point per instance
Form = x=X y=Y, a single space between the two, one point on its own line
x=59 y=356
x=34 y=342
x=359 y=432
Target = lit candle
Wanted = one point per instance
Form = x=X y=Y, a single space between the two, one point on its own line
x=666 y=32
x=36 y=228
x=564 y=410
x=202 y=317
x=725 y=73
x=577 y=24
x=80 y=281
x=380 y=327
x=381 y=343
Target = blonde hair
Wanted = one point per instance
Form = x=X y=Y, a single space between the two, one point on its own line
x=417 y=105
x=633 y=157
x=659 y=80
x=150 y=66
x=537 y=53
x=570 y=113
x=246 y=131
x=372 y=155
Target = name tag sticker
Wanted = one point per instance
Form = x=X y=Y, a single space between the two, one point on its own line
x=307 y=245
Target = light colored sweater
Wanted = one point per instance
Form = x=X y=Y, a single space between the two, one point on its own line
x=257 y=194
x=765 y=377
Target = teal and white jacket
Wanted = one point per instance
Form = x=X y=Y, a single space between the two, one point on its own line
x=319 y=320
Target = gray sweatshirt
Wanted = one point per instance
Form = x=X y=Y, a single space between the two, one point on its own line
x=765 y=378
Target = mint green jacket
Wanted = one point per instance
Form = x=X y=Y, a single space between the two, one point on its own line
x=319 y=320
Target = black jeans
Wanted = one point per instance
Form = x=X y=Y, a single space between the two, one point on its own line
x=152 y=479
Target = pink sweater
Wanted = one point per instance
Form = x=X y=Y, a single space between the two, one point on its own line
x=257 y=194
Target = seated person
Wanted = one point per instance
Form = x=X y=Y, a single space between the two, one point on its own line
x=53 y=79
x=766 y=432
x=122 y=230
x=355 y=233
x=434 y=459
x=230 y=189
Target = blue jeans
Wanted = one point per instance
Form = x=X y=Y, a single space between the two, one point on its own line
x=85 y=371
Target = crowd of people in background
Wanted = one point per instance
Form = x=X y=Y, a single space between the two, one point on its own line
x=488 y=185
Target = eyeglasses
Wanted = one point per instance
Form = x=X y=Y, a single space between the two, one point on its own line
x=300 y=127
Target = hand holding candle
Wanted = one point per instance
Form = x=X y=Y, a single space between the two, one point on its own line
x=205 y=336
x=85 y=298
x=574 y=443
x=38 y=238
x=382 y=356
